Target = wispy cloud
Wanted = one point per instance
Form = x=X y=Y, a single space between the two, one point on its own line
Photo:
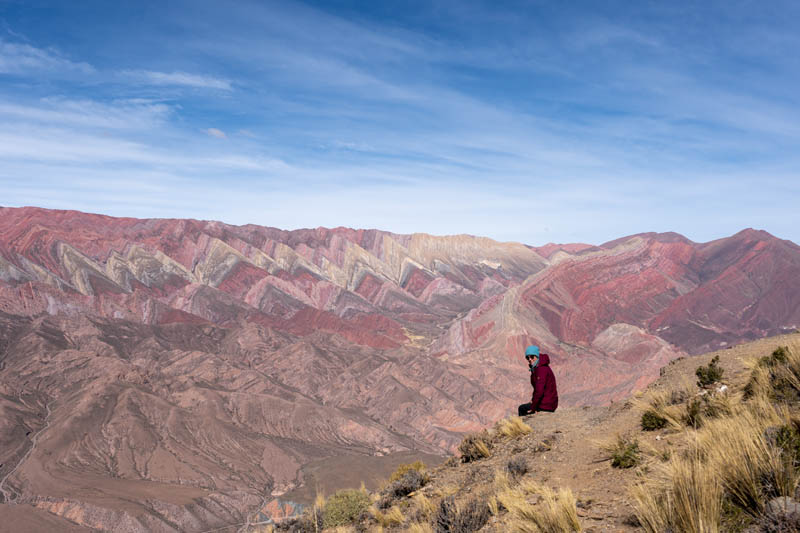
x=19 y=58
x=214 y=132
x=458 y=117
x=87 y=113
x=179 y=78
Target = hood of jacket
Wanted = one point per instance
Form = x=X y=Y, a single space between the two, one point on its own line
x=544 y=360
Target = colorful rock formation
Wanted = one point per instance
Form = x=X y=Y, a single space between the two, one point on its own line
x=153 y=373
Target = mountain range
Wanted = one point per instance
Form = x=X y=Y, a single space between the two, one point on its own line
x=167 y=374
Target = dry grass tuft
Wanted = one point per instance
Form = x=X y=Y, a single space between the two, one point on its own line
x=512 y=428
x=741 y=455
x=423 y=506
x=391 y=518
x=475 y=446
x=750 y=469
x=682 y=496
x=420 y=527
x=556 y=511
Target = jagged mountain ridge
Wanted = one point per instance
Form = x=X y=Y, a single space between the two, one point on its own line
x=204 y=348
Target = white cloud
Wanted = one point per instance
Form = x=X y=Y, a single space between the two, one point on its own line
x=214 y=132
x=179 y=78
x=88 y=113
x=18 y=58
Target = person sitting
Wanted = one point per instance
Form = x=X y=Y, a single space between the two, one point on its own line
x=543 y=381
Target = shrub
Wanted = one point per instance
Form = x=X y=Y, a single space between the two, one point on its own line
x=412 y=481
x=451 y=518
x=712 y=405
x=624 y=453
x=788 y=441
x=403 y=469
x=517 y=466
x=777 y=376
x=475 y=446
x=651 y=420
x=708 y=375
x=344 y=507
x=513 y=427
x=694 y=413
x=660 y=409
x=734 y=465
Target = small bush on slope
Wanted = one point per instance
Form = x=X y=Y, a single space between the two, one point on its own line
x=660 y=407
x=412 y=481
x=344 y=507
x=623 y=452
x=651 y=420
x=466 y=518
x=517 y=466
x=708 y=375
x=401 y=471
x=776 y=376
x=711 y=405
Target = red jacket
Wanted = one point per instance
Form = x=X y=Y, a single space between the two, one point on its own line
x=545 y=394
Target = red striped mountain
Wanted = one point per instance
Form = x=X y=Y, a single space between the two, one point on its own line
x=155 y=372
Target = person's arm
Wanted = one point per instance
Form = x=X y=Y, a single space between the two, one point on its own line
x=538 y=382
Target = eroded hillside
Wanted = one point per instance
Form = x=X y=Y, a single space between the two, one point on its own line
x=178 y=374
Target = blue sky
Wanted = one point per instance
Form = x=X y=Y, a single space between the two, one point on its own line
x=532 y=121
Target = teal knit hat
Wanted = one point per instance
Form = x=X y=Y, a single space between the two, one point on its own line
x=532 y=351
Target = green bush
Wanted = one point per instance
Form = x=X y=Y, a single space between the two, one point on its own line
x=787 y=438
x=782 y=376
x=694 y=413
x=344 y=507
x=625 y=454
x=708 y=375
x=652 y=421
